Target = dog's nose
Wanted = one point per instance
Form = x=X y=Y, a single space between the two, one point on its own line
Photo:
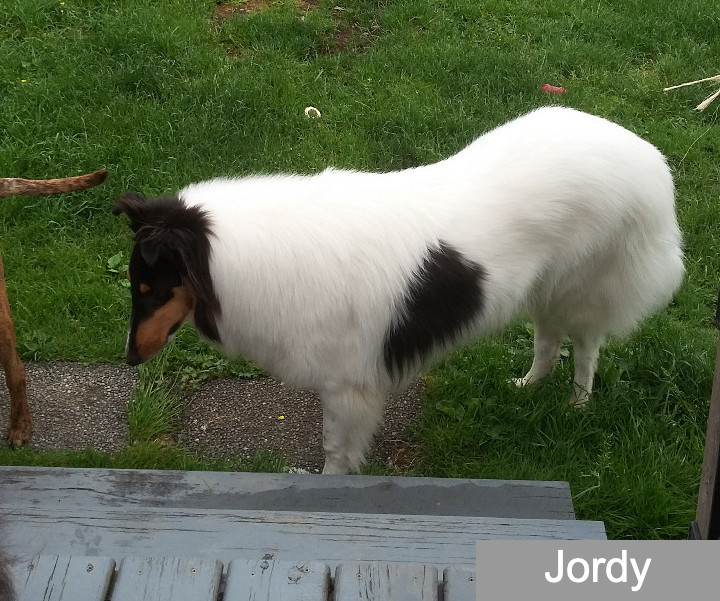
x=133 y=358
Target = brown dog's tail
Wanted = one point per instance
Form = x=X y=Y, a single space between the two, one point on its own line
x=11 y=186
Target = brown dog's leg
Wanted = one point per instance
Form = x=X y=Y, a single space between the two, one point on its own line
x=20 y=424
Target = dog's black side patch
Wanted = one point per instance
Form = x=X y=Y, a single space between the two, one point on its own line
x=443 y=297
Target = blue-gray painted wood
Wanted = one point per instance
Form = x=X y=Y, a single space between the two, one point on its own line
x=167 y=579
x=269 y=580
x=372 y=581
x=62 y=578
x=33 y=486
x=347 y=524
x=459 y=584
x=286 y=535
x=52 y=578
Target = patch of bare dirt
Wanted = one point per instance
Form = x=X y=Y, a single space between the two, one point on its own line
x=348 y=35
x=224 y=10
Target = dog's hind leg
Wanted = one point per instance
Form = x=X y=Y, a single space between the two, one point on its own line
x=547 y=343
x=20 y=425
x=586 y=350
x=350 y=418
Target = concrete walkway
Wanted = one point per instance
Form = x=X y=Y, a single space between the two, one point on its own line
x=77 y=406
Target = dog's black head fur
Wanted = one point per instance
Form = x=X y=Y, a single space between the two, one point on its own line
x=169 y=272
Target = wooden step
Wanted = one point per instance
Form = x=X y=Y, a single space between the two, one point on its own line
x=255 y=534
x=28 y=487
x=78 y=578
x=112 y=535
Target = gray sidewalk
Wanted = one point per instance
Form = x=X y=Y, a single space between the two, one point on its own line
x=76 y=406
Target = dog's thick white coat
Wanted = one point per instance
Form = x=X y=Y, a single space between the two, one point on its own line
x=571 y=216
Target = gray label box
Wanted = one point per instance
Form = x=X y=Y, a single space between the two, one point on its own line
x=597 y=570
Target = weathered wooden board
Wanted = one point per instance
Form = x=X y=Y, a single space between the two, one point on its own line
x=286 y=535
x=33 y=486
x=708 y=507
x=167 y=579
x=269 y=580
x=459 y=584
x=372 y=581
x=63 y=578
x=53 y=578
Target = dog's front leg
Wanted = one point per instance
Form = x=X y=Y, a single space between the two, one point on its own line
x=350 y=418
x=548 y=341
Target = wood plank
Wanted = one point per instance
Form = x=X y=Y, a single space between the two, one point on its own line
x=269 y=580
x=373 y=581
x=708 y=507
x=167 y=579
x=120 y=532
x=63 y=578
x=28 y=486
x=459 y=584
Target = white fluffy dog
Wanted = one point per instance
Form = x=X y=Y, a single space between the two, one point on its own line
x=349 y=282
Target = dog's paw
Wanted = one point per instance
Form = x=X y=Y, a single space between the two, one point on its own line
x=19 y=433
x=521 y=382
x=579 y=399
x=296 y=470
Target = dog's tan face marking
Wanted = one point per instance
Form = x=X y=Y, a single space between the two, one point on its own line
x=154 y=332
x=160 y=303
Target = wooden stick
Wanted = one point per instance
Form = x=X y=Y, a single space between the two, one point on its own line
x=11 y=186
x=705 y=103
x=692 y=83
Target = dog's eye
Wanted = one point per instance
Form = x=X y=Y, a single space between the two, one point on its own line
x=144 y=288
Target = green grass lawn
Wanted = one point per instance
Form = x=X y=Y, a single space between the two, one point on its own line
x=164 y=93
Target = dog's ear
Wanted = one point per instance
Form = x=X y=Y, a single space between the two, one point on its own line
x=133 y=205
x=166 y=228
x=152 y=235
